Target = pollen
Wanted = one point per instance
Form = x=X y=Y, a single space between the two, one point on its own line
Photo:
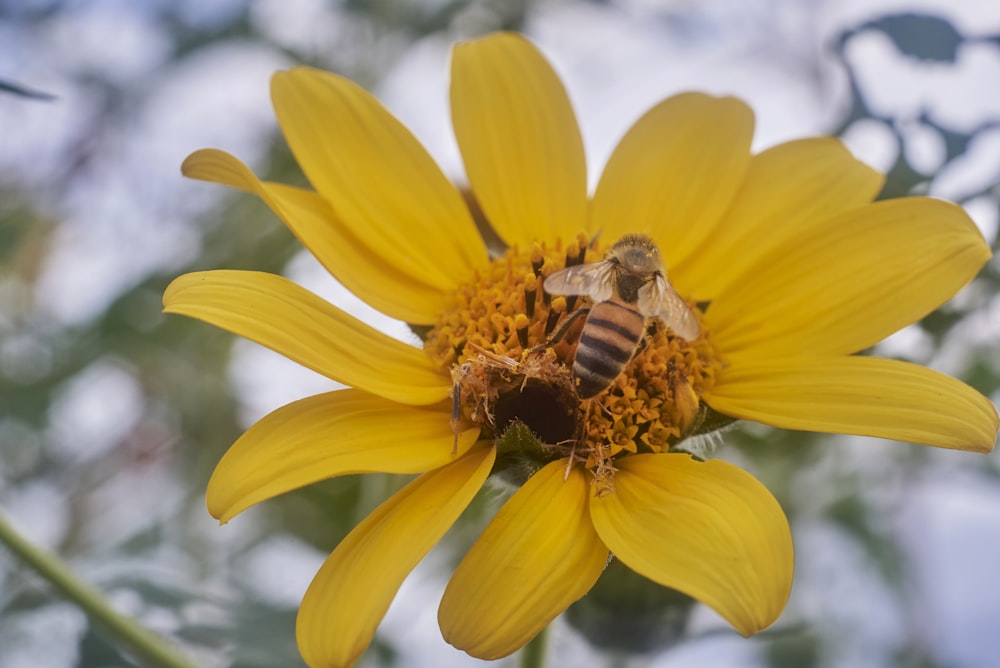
x=498 y=344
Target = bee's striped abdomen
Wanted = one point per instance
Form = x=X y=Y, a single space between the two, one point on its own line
x=608 y=341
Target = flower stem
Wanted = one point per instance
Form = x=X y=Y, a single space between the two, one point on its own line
x=532 y=655
x=147 y=647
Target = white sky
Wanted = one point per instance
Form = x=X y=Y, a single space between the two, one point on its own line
x=134 y=214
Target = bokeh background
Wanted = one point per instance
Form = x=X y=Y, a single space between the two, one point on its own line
x=113 y=415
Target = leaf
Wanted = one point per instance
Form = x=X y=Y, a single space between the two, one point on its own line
x=922 y=36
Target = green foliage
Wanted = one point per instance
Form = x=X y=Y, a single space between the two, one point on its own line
x=626 y=613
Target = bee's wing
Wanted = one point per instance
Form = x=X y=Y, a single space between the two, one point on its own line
x=593 y=280
x=657 y=299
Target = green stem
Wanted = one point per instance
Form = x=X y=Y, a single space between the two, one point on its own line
x=532 y=655
x=147 y=647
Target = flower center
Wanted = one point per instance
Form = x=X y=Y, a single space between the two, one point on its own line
x=510 y=346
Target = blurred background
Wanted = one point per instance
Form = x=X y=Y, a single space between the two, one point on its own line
x=112 y=415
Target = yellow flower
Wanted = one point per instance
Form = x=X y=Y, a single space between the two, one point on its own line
x=790 y=267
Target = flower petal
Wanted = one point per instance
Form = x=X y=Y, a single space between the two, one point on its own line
x=519 y=139
x=674 y=174
x=327 y=435
x=788 y=189
x=707 y=529
x=349 y=596
x=537 y=556
x=851 y=282
x=294 y=322
x=858 y=395
x=398 y=290
x=377 y=178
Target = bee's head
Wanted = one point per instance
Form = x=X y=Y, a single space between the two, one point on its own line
x=636 y=254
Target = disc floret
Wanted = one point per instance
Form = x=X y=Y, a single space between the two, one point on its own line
x=497 y=343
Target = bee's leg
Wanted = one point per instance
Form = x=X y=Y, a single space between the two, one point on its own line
x=560 y=332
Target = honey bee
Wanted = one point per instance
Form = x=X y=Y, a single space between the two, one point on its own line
x=627 y=287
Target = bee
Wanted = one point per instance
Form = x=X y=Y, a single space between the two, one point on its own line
x=627 y=287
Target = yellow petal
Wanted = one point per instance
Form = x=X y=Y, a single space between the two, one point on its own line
x=327 y=435
x=674 y=174
x=788 y=190
x=294 y=322
x=519 y=139
x=858 y=395
x=847 y=284
x=707 y=529
x=538 y=555
x=398 y=290
x=349 y=596
x=377 y=178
